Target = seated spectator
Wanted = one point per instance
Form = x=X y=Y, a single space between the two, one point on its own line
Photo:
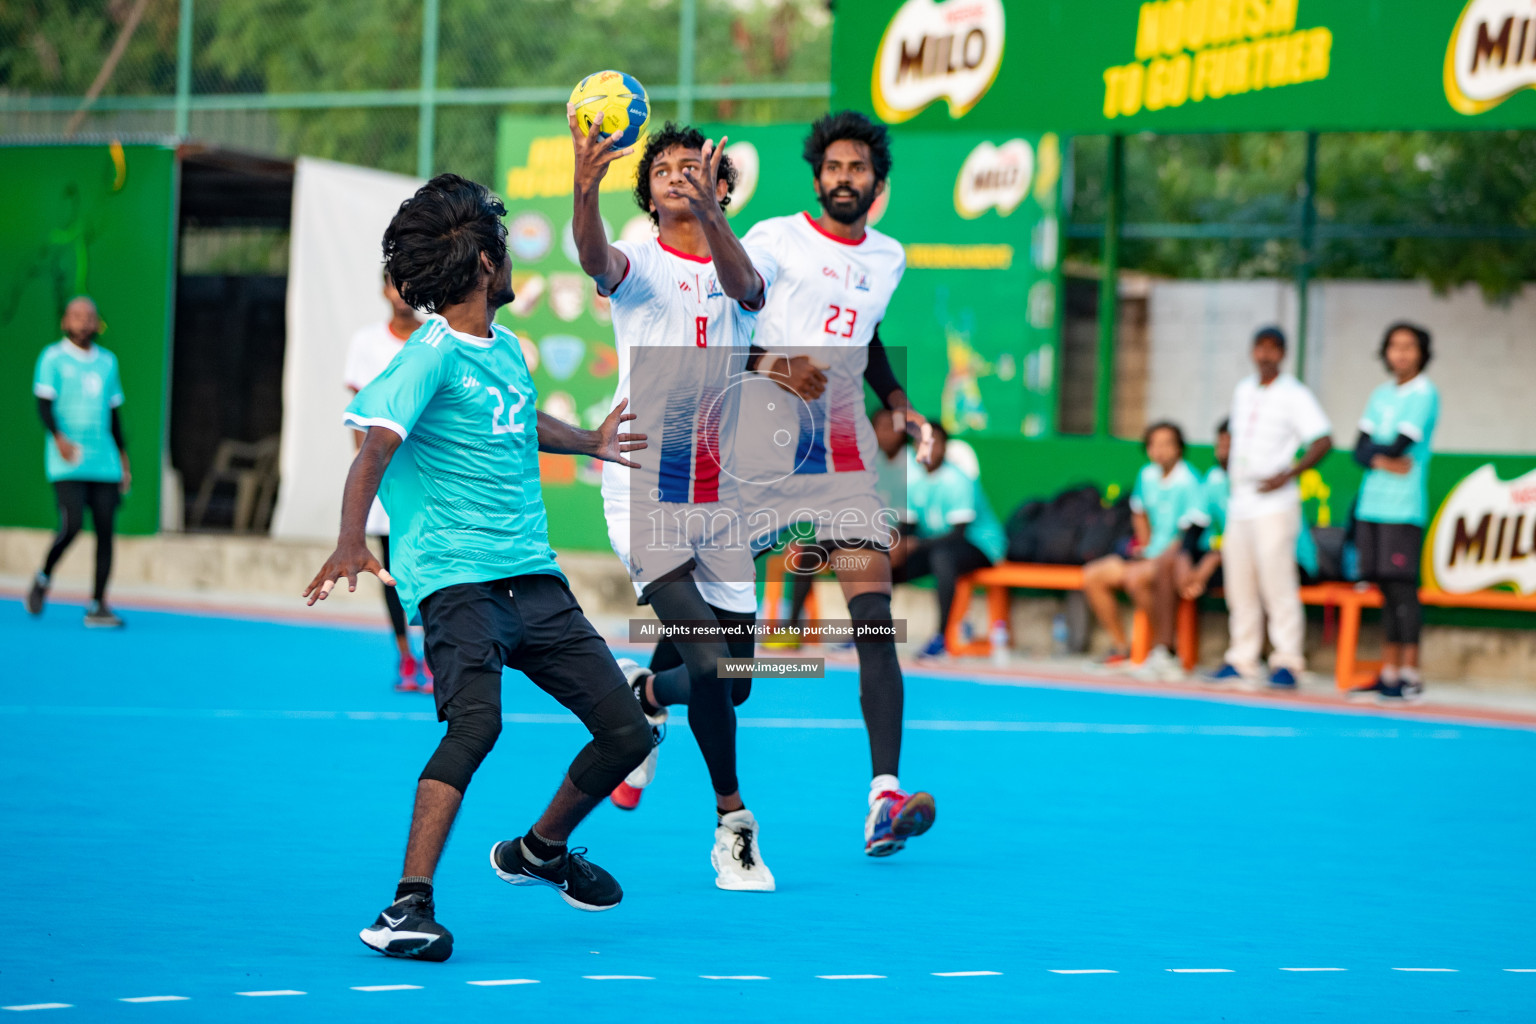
x=957 y=532
x=1197 y=565
x=1167 y=497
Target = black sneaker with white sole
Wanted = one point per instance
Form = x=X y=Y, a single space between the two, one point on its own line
x=38 y=595
x=579 y=882
x=99 y=616
x=407 y=929
x=1407 y=691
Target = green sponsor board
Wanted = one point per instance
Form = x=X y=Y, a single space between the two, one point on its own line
x=973 y=327
x=96 y=220
x=1188 y=65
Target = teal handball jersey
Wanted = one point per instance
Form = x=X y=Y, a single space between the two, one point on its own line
x=84 y=386
x=1412 y=409
x=1170 y=503
x=462 y=491
x=946 y=498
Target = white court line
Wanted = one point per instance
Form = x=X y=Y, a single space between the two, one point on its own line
x=850 y=977
x=1200 y=970
x=1314 y=968
x=383 y=988
x=1084 y=970
x=967 y=974
x=1521 y=970
x=506 y=981
x=1427 y=970
x=39 y=1006
x=154 y=999
x=735 y=977
x=618 y=977
x=274 y=992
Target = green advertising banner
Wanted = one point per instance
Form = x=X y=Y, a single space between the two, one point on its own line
x=973 y=327
x=96 y=220
x=1188 y=65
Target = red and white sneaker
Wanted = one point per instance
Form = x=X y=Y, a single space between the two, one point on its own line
x=407 y=681
x=627 y=795
x=894 y=817
x=426 y=677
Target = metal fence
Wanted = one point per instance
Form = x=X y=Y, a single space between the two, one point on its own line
x=405 y=85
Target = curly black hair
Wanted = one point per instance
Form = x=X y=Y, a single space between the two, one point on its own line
x=433 y=244
x=854 y=127
x=1426 y=348
x=679 y=136
x=1169 y=425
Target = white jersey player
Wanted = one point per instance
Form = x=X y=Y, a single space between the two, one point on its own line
x=684 y=308
x=830 y=280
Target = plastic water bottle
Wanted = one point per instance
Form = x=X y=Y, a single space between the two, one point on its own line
x=1059 y=635
x=999 y=637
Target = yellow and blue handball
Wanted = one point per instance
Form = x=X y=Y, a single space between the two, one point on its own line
x=618 y=99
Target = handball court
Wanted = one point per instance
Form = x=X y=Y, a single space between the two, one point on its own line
x=198 y=814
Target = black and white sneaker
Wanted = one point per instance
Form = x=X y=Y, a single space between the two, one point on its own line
x=407 y=929
x=38 y=594
x=1407 y=691
x=1371 y=692
x=579 y=882
x=99 y=616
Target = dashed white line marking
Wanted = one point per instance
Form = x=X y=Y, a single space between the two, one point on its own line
x=1200 y=970
x=506 y=981
x=1427 y=970
x=274 y=992
x=154 y=999
x=850 y=977
x=1314 y=968
x=967 y=974
x=618 y=977
x=39 y=1006
x=383 y=988
x=1082 y=970
x=735 y=977
x=1521 y=970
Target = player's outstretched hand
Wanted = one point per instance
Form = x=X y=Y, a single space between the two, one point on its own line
x=699 y=187
x=918 y=426
x=612 y=443
x=348 y=561
x=803 y=375
x=593 y=152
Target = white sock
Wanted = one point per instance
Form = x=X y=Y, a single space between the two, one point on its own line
x=1389 y=674
x=1410 y=674
x=879 y=784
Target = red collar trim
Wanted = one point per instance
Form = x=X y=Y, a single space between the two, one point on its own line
x=824 y=233
x=683 y=255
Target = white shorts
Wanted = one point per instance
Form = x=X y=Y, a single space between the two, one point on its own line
x=846 y=508
x=655 y=540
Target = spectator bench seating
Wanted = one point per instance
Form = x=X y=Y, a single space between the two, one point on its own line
x=1347 y=600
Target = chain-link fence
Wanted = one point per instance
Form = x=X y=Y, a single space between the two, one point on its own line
x=405 y=85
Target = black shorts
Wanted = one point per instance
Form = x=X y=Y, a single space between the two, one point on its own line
x=529 y=623
x=1389 y=552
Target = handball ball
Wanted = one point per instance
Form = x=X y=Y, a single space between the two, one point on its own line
x=618 y=99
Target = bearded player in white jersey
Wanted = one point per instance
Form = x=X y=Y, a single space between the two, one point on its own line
x=830 y=280
x=684 y=308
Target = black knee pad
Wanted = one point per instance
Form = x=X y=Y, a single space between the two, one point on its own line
x=741 y=689
x=472 y=732
x=621 y=737
x=871 y=609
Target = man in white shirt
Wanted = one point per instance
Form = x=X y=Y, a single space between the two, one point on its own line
x=1273 y=416
x=372 y=349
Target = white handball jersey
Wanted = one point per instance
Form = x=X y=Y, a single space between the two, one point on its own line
x=826 y=296
x=681 y=393
x=372 y=349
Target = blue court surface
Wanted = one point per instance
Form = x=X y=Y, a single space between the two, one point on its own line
x=206 y=810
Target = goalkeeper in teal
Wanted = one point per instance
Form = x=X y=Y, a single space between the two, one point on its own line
x=78 y=394
x=1394 y=449
x=452 y=448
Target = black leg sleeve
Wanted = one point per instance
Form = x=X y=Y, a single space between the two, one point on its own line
x=881 y=692
x=103 y=498
x=71 y=498
x=711 y=714
x=391 y=596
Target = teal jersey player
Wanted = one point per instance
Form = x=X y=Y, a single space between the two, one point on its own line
x=1214 y=492
x=1170 y=501
x=84 y=386
x=1411 y=410
x=947 y=498
x=462 y=491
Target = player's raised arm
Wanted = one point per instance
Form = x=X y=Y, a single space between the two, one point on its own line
x=733 y=267
x=601 y=261
x=607 y=442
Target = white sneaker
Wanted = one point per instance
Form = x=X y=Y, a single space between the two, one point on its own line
x=645 y=773
x=738 y=861
x=1160 y=667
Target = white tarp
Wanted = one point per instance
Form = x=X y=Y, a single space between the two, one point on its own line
x=334 y=287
